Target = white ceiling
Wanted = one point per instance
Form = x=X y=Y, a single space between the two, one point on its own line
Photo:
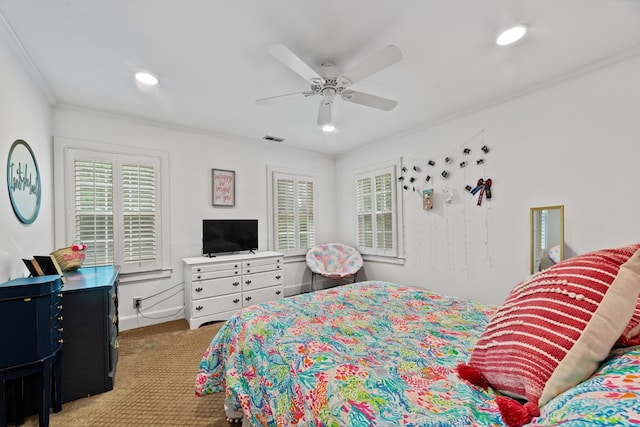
x=212 y=61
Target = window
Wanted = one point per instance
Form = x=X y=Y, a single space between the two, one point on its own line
x=114 y=206
x=293 y=213
x=378 y=213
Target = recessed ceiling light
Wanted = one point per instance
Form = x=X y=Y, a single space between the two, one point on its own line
x=328 y=128
x=146 y=78
x=512 y=35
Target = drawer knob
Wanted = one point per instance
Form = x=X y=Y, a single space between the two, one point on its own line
x=60 y=307
x=199 y=307
x=278 y=292
x=60 y=341
x=248 y=264
x=236 y=283
x=198 y=270
x=235 y=301
x=60 y=329
x=248 y=271
x=198 y=289
x=114 y=320
x=248 y=298
x=277 y=267
x=248 y=282
x=278 y=276
x=60 y=318
x=235 y=266
x=199 y=276
x=60 y=295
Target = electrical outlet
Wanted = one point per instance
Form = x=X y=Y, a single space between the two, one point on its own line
x=137 y=303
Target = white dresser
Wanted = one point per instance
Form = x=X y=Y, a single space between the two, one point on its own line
x=215 y=288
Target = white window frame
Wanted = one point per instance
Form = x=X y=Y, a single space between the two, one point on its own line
x=396 y=253
x=273 y=173
x=65 y=151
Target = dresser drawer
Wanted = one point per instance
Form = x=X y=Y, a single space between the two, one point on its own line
x=207 y=268
x=260 y=268
x=273 y=262
x=262 y=280
x=205 y=307
x=262 y=295
x=216 y=274
x=216 y=287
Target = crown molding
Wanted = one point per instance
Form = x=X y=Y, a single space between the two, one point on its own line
x=23 y=56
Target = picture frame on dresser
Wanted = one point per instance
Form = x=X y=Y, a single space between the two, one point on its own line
x=224 y=187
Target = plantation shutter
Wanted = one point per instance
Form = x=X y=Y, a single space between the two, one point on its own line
x=294 y=213
x=285 y=214
x=364 y=207
x=93 y=184
x=384 y=211
x=139 y=213
x=375 y=210
x=116 y=209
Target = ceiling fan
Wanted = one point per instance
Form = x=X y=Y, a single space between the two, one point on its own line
x=330 y=81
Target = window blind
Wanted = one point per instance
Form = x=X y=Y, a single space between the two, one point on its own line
x=116 y=208
x=139 y=213
x=375 y=210
x=94 y=210
x=294 y=213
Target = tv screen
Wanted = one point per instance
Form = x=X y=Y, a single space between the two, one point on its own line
x=229 y=235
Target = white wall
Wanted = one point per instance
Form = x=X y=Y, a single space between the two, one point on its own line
x=576 y=144
x=25 y=113
x=191 y=158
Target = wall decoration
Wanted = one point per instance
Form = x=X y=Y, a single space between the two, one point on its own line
x=427 y=198
x=23 y=182
x=224 y=187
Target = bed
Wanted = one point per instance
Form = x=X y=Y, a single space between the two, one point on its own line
x=380 y=354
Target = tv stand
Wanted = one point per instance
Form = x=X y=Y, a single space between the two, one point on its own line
x=214 y=289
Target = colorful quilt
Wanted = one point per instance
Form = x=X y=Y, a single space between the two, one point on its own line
x=379 y=354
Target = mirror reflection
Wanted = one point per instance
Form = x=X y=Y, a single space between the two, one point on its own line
x=547 y=237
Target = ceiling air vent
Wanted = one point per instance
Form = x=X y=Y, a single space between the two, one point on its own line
x=272 y=138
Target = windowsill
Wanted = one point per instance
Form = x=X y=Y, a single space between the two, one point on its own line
x=127 y=278
x=384 y=259
x=289 y=259
x=294 y=258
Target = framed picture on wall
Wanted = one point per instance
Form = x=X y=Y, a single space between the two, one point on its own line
x=224 y=187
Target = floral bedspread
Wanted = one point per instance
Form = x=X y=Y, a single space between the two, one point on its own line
x=365 y=354
x=610 y=397
x=379 y=354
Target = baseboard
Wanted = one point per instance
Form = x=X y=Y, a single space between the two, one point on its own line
x=148 y=318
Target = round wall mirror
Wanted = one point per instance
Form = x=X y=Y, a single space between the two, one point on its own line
x=23 y=182
x=547 y=237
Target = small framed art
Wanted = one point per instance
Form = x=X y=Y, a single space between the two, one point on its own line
x=224 y=187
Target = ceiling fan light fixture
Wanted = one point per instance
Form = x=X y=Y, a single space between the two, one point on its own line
x=328 y=128
x=512 y=35
x=146 y=78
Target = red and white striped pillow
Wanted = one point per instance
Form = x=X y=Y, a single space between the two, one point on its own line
x=556 y=327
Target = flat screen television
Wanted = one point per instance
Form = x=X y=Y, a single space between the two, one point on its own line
x=229 y=235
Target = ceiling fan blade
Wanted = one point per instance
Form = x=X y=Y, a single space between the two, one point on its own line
x=369 y=100
x=292 y=61
x=270 y=99
x=379 y=61
x=324 y=112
